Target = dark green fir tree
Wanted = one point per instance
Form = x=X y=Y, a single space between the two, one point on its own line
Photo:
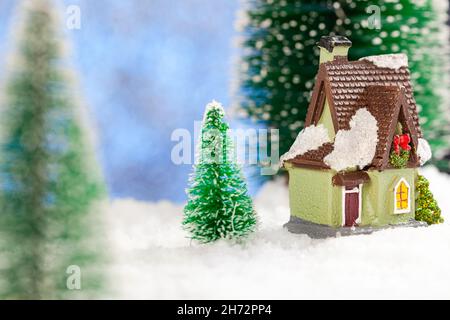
x=418 y=29
x=218 y=202
x=49 y=182
x=280 y=61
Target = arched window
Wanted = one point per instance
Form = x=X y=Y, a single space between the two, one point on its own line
x=402 y=203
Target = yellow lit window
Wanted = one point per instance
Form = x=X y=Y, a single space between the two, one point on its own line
x=402 y=197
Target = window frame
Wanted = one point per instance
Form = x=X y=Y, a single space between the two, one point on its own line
x=408 y=209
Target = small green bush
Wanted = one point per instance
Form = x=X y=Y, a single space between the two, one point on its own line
x=427 y=209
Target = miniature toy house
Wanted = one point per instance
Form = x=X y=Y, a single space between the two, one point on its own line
x=355 y=163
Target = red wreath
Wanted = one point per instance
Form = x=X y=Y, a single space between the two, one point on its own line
x=402 y=142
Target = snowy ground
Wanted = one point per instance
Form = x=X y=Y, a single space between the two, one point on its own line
x=155 y=260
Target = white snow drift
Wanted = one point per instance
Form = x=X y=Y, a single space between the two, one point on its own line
x=154 y=259
x=391 y=61
x=310 y=138
x=423 y=151
x=355 y=147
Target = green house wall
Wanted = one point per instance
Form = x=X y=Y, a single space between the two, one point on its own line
x=378 y=197
x=326 y=56
x=313 y=197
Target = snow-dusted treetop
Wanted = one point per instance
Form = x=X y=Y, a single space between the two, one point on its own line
x=423 y=151
x=310 y=138
x=391 y=61
x=355 y=147
x=213 y=105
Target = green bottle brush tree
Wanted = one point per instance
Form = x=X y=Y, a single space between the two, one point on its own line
x=218 y=202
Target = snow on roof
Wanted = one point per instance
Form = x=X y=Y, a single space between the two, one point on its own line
x=355 y=147
x=423 y=151
x=310 y=138
x=391 y=61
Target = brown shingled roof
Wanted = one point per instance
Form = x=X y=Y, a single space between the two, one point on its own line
x=350 y=85
x=346 y=80
x=385 y=103
x=314 y=158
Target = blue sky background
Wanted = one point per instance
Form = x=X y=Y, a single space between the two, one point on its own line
x=146 y=68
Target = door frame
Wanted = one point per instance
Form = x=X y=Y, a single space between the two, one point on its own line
x=357 y=189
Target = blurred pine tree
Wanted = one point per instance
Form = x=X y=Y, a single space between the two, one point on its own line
x=418 y=29
x=280 y=58
x=49 y=185
x=280 y=61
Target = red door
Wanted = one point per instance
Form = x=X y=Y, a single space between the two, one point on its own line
x=351 y=206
